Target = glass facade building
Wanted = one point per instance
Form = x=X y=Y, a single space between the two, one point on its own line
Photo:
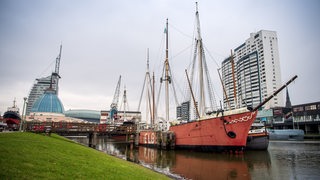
x=38 y=90
x=48 y=102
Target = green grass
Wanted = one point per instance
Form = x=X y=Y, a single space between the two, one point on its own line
x=35 y=156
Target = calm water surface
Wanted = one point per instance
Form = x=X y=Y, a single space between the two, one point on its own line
x=283 y=160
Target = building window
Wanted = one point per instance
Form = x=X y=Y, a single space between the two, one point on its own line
x=298 y=109
x=311 y=107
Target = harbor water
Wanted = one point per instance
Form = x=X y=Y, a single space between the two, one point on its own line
x=282 y=160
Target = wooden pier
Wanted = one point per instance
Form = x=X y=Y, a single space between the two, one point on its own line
x=128 y=132
x=92 y=131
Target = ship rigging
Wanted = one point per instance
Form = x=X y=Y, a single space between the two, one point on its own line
x=200 y=84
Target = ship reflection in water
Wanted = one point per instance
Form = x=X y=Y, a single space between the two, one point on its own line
x=194 y=165
x=281 y=161
x=210 y=166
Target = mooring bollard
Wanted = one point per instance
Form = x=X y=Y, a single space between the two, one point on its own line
x=92 y=139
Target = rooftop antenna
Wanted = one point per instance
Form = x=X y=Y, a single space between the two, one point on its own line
x=56 y=71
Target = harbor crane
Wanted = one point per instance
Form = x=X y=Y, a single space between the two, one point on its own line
x=114 y=104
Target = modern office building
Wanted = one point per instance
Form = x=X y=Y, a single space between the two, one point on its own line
x=187 y=111
x=183 y=111
x=256 y=68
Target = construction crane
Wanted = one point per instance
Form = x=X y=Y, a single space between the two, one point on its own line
x=114 y=104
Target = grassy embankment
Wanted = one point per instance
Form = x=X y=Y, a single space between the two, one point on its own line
x=34 y=156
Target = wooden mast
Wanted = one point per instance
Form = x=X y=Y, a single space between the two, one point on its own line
x=234 y=81
x=167 y=77
x=147 y=84
x=150 y=105
x=193 y=99
x=153 y=99
x=200 y=51
x=224 y=90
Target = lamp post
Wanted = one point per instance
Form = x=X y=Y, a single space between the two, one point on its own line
x=22 y=118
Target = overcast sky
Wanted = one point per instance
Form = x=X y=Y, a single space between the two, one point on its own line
x=105 y=39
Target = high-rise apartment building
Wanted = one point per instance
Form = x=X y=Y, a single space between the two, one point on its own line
x=256 y=72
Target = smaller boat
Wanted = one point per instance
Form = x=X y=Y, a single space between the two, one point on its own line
x=160 y=139
x=258 y=137
x=149 y=138
x=286 y=134
x=12 y=117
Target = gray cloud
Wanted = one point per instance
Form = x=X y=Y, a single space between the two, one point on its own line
x=104 y=39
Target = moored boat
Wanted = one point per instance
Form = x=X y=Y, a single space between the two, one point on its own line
x=286 y=134
x=12 y=117
x=258 y=137
x=228 y=132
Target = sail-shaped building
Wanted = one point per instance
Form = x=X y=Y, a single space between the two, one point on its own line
x=42 y=84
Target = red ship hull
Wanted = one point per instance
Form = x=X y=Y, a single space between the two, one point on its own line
x=148 y=138
x=229 y=132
